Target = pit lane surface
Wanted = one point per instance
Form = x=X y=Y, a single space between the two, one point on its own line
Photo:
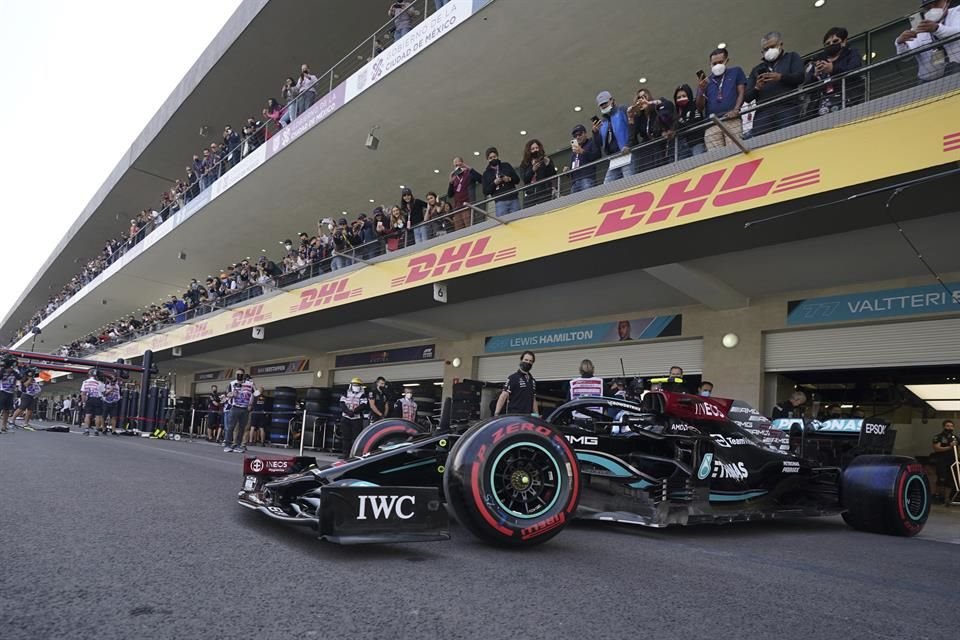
x=116 y=537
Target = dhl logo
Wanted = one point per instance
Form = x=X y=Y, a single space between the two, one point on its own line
x=247 y=317
x=197 y=331
x=951 y=142
x=726 y=188
x=156 y=343
x=466 y=255
x=326 y=294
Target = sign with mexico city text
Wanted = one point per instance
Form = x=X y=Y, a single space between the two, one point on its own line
x=793 y=169
x=887 y=303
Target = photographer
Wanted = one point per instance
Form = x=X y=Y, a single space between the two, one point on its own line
x=343 y=243
x=651 y=125
x=402 y=14
x=537 y=169
x=584 y=150
x=397 y=233
x=289 y=92
x=943 y=458
x=836 y=60
x=231 y=147
x=437 y=213
x=305 y=89
x=460 y=188
x=500 y=181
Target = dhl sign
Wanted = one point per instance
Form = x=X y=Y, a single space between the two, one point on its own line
x=688 y=196
x=323 y=295
x=248 y=317
x=198 y=331
x=462 y=257
x=796 y=168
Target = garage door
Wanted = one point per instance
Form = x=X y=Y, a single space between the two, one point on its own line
x=423 y=370
x=900 y=344
x=639 y=359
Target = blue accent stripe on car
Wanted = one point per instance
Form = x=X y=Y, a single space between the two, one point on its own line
x=420 y=463
x=616 y=469
x=735 y=497
x=641 y=484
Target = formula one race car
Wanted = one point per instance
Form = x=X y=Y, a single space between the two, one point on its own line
x=671 y=459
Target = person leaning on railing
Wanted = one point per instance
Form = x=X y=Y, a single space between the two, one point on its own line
x=836 y=59
x=937 y=22
x=778 y=74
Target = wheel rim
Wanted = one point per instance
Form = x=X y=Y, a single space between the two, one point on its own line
x=915 y=498
x=525 y=480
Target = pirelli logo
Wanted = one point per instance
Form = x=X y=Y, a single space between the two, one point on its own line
x=722 y=188
x=450 y=260
x=951 y=142
x=323 y=295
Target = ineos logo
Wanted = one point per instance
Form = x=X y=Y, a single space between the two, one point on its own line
x=381 y=507
x=256 y=465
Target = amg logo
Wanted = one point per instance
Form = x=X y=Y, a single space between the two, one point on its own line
x=729 y=470
x=382 y=507
x=589 y=441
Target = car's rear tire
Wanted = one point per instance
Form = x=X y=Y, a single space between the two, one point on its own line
x=384 y=432
x=885 y=494
x=512 y=481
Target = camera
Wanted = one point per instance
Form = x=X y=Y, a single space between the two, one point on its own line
x=458 y=171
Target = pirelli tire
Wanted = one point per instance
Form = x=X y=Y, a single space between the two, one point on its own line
x=885 y=494
x=512 y=481
x=388 y=431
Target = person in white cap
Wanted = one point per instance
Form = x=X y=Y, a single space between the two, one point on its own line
x=614 y=129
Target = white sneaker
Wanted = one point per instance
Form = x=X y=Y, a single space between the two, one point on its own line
x=227 y=449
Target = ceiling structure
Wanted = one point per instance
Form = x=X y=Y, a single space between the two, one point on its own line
x=424 y=119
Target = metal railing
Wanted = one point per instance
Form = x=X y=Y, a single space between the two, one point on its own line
x=879 y=84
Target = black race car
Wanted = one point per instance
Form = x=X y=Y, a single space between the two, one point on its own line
x=670 y=459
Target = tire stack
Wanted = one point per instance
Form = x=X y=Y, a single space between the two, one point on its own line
x=284 y=409
x=331 y=441
x=425 y=408
x=317 y=404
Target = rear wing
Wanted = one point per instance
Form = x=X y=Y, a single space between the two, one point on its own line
x=834 y=441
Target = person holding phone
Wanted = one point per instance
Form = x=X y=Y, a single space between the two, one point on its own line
x=780 y=73
x=934 y=22
x=584 y=150
x=460 y=188
x=836 y=59
x=721 y=94
x=500 y=181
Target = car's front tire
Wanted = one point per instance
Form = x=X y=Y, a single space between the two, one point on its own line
x=386 y=432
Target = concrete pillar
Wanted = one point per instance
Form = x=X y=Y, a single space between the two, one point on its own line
x=737 y=372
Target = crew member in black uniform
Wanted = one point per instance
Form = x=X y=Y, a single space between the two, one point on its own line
x=519 y=394
x=10 y=375
x=943 y=457
x=795 y=407
x=379 y=400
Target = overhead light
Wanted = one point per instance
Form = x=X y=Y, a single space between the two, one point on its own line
x=643 y=81
x=403 y=186
x=819 y=3
x=846 y=406
x=730 y=340
x=722 y=45
x=344 y=212
x=263 y=250
x=578 y=108
x=523 y=132
x=476 y=153
x=873 y=54
x=945 y=405
x=438 y=384
x=411 y=384
x=372 y=200
x=436 y=170
x=935 y=391
x=456 y=362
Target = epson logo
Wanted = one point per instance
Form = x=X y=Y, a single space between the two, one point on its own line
x=873 y=429
x=589 y=441
x=382 y=507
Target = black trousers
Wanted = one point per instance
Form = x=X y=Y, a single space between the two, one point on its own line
x=350 y=428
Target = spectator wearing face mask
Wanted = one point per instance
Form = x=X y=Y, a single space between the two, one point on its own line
x=688 y=119
x=500 y=181
x=705 y=389
x=584 y=149
x=231 y=146
x=938 y=22
x=780 y=73
x=834 y=61
x=614 y=128
x=460 y=188
x=343 y=243
x=354 y=405
x=651 y=125
x=519 y=394
x=306 y=91
x=721 y=94
x=413 y=209
x=537 y=171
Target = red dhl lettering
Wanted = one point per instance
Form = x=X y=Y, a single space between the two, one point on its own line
x=198 y=331
x=464 y=256
x=325 y=294
x=684 y=197
x=248 y=317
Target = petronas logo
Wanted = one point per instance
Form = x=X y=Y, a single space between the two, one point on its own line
x=705 y=467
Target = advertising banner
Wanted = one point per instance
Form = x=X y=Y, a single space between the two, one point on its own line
x=211 y=375
x=279 y=368
x=769 y=175
x=586 y=334
x=871 y=305
x=387 y=356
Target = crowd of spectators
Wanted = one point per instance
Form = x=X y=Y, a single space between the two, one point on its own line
x=645 y=133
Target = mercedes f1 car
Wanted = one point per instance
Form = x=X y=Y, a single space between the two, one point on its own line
x=670 y=459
